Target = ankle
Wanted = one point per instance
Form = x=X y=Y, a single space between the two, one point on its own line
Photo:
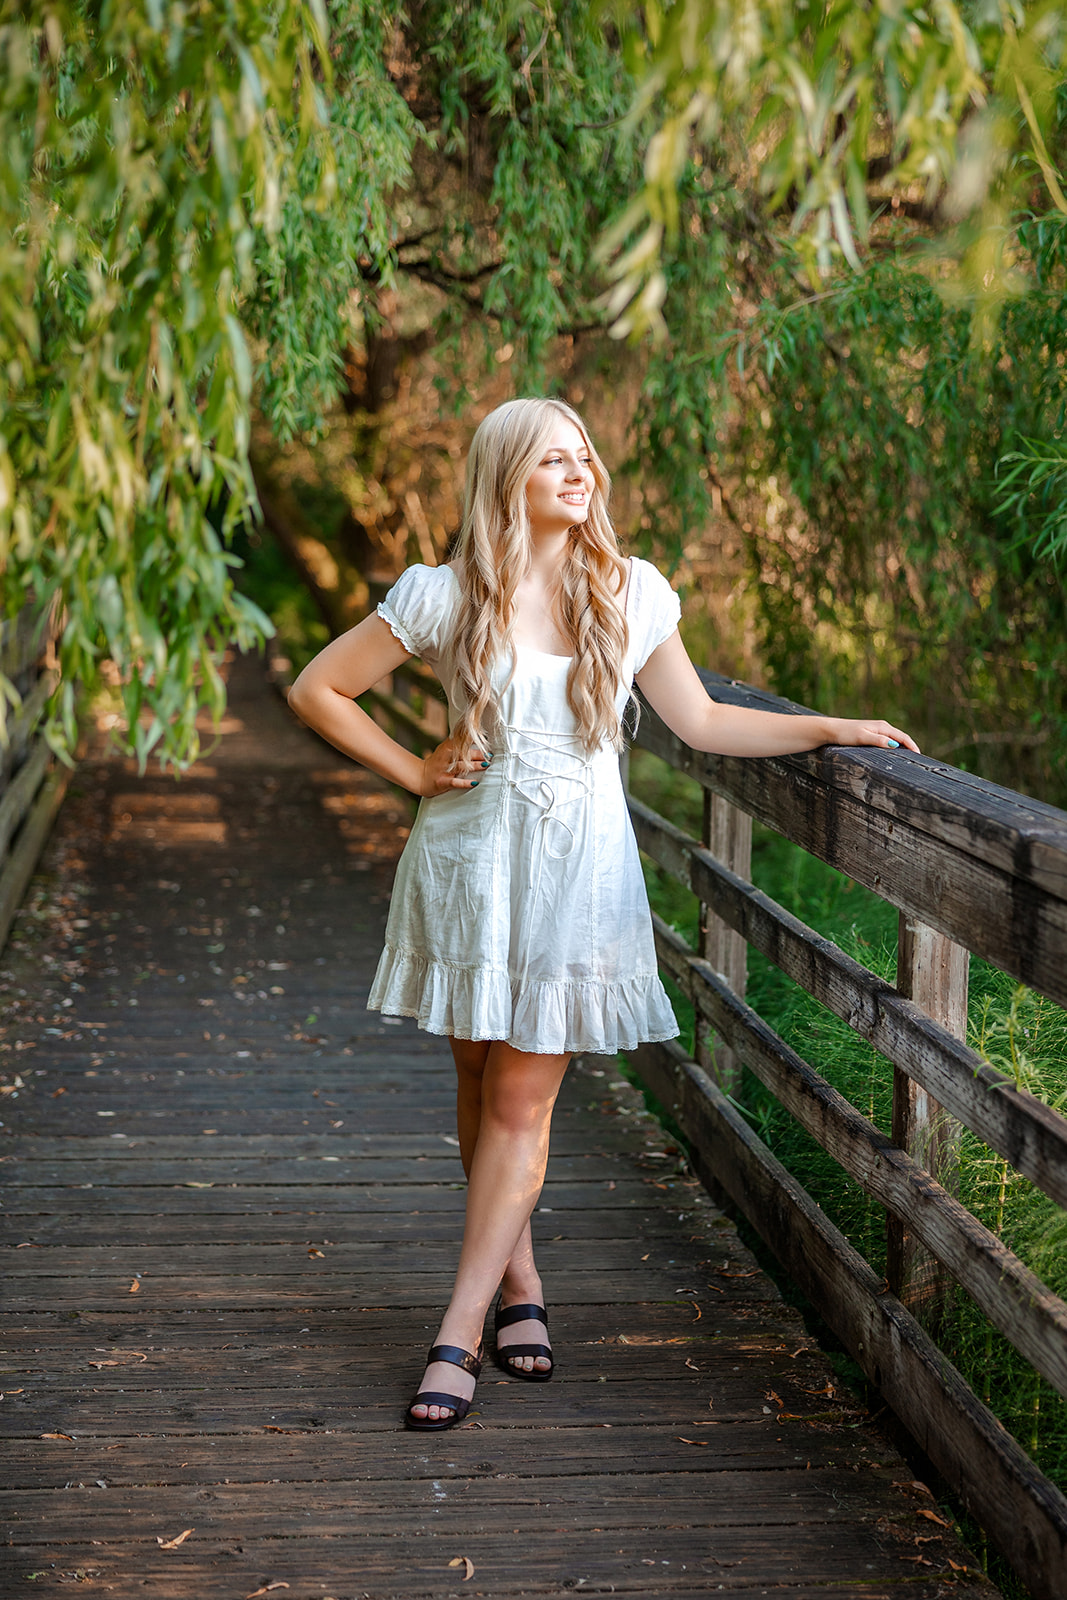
x=462 y=1332
x=521 y=1289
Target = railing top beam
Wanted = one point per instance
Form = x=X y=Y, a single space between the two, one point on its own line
x=980 y=863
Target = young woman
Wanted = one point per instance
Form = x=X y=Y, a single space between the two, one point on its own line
x=519 y=925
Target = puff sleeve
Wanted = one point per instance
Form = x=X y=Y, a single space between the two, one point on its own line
x=653 y=612
x=420 y=608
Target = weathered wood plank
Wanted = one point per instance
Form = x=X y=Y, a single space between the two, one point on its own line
x=22 y=772
x=352 y=1401
x=933 y=971
x=727 y=835
x=322 y=1198
x=381 y=1453
x=655 y=1324
x=1031 y=1135
x=216 y=1258
x=992 y=1474
x=639 y=1561
x=18 y=867
x=138 y=1366
x=250 y=1170
x=315 y=1285
x=791 y=1497
x=177 y=1231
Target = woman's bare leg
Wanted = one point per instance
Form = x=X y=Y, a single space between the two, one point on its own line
x=521 y=1283
x=507 y=1169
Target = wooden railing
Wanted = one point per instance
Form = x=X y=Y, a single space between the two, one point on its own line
x=969 y=867
x=32 y=783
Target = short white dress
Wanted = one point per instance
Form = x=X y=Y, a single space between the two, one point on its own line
x=519 y=910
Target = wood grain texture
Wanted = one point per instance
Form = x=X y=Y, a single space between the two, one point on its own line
x=933 y=972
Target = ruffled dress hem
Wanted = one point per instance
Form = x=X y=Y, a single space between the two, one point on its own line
x=542 y=1018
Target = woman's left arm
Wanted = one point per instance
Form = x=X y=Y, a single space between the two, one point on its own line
x=669 y=682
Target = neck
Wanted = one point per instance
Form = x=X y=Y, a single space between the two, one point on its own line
x=548 y=551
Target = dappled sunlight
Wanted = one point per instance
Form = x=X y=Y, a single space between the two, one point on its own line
x=166 y=820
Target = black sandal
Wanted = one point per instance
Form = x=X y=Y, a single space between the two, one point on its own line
x=426 y=1397
x=503 y=1354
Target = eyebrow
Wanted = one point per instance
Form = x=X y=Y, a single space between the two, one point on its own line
x=561 y=449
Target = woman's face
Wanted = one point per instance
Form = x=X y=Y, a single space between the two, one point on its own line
x=559 y=488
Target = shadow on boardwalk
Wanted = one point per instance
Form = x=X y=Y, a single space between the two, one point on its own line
x=232 y=1205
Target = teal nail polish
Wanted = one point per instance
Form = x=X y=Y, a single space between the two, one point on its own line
x=894 y=744
x=475 y=782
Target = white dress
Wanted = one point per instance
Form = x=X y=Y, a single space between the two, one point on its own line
x=519 y=910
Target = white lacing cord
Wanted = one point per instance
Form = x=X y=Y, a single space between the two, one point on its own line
x=535 y=784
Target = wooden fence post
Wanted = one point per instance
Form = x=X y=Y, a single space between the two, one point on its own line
x=931 y=970
x=727 y=833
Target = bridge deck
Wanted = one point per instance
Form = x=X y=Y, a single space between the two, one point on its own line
x=232 y=1203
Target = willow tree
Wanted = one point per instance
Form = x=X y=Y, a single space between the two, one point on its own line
x=192 y=196
x=167 y=171
x=886 y=316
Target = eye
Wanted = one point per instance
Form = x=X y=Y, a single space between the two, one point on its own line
x=554 y=461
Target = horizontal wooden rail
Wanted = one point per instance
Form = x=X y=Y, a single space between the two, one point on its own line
x=31 y=784
x=1028 y=1133
x=983 y=865
x=1012 y=1297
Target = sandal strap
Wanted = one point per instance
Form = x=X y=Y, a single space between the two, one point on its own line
x=505 y=1317
x=430 y=1397
x=509 y=1350
x=456 y=1357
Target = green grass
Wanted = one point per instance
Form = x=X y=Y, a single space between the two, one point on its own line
x=1018 y=1031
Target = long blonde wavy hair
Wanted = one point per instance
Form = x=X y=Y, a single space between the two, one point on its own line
x=494 y=552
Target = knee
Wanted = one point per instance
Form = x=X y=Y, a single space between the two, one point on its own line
x=470 y=1058
x=515 y=1107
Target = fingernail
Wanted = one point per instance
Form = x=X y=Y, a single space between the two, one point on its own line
x=484 y=765
x=894 y=744
x=474 y=783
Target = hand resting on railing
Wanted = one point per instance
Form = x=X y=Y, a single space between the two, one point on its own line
x=670 y=684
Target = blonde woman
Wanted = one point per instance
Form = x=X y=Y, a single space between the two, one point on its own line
x=519 y=925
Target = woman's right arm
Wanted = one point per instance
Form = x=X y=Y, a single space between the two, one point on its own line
x=324 y=696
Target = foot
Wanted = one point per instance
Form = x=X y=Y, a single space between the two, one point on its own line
x=529 y=1331
x=442 y=1377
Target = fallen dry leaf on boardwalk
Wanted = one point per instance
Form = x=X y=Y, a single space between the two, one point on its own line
x=266 y=1589
x=172 y=1544
x=122 y=1358
x=463 y=1561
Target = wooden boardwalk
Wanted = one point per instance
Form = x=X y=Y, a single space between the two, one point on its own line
x=231 y=1208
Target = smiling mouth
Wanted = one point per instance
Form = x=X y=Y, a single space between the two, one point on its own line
x=573 y=499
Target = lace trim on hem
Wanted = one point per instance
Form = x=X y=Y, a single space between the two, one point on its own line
x=521 y=1044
